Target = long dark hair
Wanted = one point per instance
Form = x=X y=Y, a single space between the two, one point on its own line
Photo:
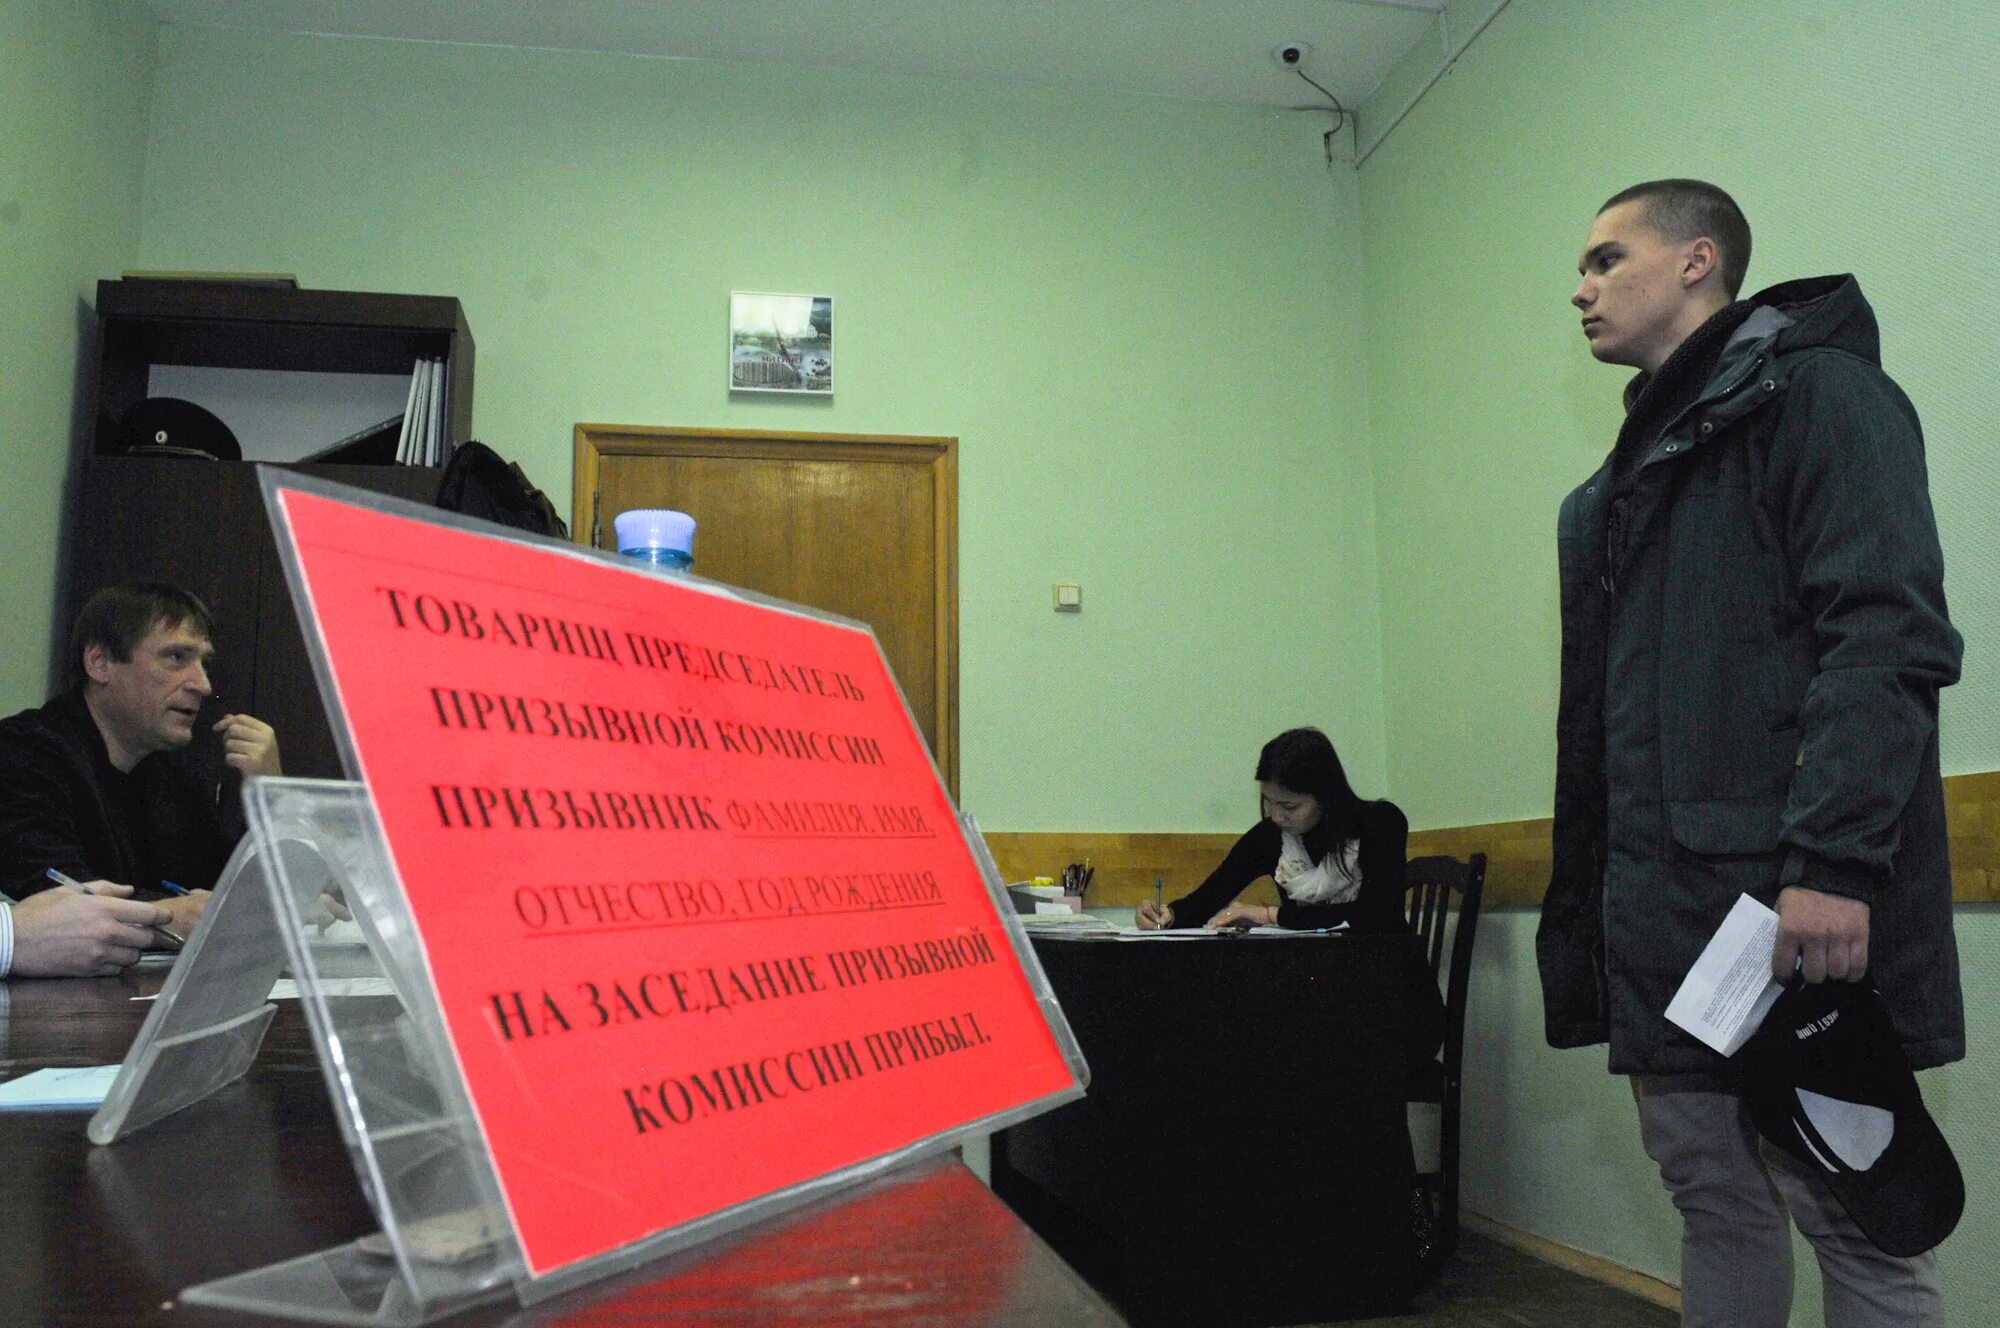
x=1303 y=760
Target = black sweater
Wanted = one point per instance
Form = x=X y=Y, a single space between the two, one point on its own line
x=1378 y=907
x=1384 y=838
x=64 y=805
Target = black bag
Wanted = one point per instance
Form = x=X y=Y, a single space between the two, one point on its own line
x=478 y=483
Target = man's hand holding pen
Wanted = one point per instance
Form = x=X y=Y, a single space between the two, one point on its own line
x=91 y=928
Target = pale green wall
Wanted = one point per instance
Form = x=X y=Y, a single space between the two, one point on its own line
x=75 y=80
x=1140 y=318
x=1145 y=322
x=1858 y=137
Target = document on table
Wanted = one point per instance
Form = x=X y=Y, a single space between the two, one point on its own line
x=1204 y=933
x=1064 y=921
x=1727 y=993
x=285 y=989
x=71 y=1088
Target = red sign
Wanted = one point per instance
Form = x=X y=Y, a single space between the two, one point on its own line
x=697 y=910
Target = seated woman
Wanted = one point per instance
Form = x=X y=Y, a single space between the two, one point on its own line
x=1336 y=859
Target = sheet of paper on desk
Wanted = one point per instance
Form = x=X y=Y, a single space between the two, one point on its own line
x=72 y=1088
x=1204 y=933
x=1176 y=934
x=1064 y=921
x=285 y=989
x=1727 y=993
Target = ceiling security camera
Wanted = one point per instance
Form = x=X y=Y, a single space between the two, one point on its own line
x=1291 y=54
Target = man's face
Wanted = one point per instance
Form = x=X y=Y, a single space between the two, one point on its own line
x=1634 y=302
x=148 y=703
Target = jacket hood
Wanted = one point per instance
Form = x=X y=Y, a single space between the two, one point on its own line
x=1827 y=312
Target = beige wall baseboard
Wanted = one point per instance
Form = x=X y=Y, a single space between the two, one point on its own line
x=1517 y=854
x=1572 y=1260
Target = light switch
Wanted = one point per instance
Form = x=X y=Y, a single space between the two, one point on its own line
x=1069 y=597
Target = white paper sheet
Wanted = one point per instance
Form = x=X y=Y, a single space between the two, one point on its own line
x=1727 y=993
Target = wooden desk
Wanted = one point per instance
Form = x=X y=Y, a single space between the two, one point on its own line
x=1242 y=1156
x=107 y=1237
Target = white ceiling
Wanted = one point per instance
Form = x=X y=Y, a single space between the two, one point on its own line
x=1197 y=50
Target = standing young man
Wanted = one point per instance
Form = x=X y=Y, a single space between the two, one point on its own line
x=1754 y=635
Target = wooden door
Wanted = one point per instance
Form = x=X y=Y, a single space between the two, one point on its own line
x=865 y=526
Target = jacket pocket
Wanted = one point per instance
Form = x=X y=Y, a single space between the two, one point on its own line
x=1727 y=826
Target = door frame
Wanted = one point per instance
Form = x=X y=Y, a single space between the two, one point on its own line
x=939 y=455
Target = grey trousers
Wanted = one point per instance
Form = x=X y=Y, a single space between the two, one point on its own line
x=1738 y=1199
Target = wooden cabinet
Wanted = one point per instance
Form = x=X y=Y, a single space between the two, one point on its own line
x=223 y=325
x=201 y=524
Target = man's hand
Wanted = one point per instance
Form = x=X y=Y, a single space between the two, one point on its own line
x=249 y=744
x=182 y=911
x=64 y=933
x=1829 y=933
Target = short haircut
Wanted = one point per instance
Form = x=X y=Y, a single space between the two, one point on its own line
x=119 y=617
x=1684 y=210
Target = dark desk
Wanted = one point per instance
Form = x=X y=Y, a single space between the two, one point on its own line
x=107 y=1237
x=1242 y=1156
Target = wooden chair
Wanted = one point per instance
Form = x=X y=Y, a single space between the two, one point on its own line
x=1443 y=896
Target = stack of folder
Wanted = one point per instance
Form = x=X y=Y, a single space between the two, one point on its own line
x=422 y=439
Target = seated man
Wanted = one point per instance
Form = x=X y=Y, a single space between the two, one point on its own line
x=102 y=783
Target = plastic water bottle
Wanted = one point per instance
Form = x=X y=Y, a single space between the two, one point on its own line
x=658 y=535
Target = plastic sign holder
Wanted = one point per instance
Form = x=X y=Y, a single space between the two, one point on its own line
x=676 y=925
x=442 y=1246
x=206 y=1024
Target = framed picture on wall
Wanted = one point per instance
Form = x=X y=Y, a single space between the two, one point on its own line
x=780 y=343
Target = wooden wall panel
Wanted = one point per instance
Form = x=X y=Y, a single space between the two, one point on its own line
x=1972 y=814
x=1125 y=864
x=1517 y=853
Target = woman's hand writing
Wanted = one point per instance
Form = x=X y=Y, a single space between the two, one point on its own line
x=1245 y=915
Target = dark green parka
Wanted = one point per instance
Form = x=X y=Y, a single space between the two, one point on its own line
x=1753 y=639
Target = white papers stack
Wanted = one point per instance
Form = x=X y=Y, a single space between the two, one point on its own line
x=421 y=442
x=1064 y=920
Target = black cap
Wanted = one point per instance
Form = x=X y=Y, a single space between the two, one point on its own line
x=1826 y=1080
x=169 y=426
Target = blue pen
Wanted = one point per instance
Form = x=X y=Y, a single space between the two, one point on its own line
x=171 y=888
x=61 y=878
